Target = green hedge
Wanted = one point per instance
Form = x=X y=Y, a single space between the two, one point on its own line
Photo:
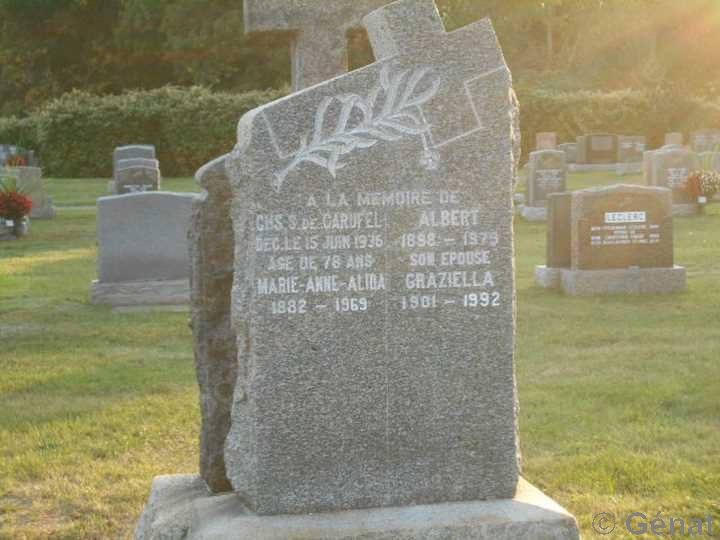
x=651 y=113
x=76 y=134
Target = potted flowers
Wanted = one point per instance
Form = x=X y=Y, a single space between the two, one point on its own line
x=15 y=208
x=704 y=184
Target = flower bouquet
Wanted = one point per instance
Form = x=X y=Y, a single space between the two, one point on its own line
x=15 y=208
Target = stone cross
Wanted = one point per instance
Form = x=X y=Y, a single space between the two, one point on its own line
x=319 y=50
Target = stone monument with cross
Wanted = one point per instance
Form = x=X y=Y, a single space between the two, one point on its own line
x=372 y=218
x=212 y=240
x=319 y=46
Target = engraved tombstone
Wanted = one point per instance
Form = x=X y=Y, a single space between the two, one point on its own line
x=706 y=140
x=670 y=168
x=319 y=47
x=547 y=173
x=137 y=178
x=630 y=154
x=546 y=141
x=620 y=242
x=142 y=151
x=212 y=241
x=143 y=249
x=373 y=236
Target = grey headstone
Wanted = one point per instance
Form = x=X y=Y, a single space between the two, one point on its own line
x=142 y=151
x=706 y=140
x=597 y=148
x=546 y=141
x=570 y=150
x=30 y=182
x=211 y=278
x=137 y=179
x=137 y=162
x=366 y=383
x=547 y=173
x=143 y=237
x=671 y=167
x=319 y=49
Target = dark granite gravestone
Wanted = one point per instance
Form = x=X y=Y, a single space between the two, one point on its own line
x=670 y=168
x=372 y=219
x=620 y=241
x=706 y=140
x=547 y=173
x=630 y=154
x=320 y=30
x=133 y=151
x=600 y=148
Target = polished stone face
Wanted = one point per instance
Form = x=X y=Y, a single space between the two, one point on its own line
x=622 y=227
x=374 y=292
x=598 y=148
x=143 y=237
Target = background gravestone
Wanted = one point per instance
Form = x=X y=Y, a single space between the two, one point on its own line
x=320 y=30
x=570 y=150
x=674 y=139
x=373 y=236
x=620 y=242
x=706 y=140
x=671 y=168
x=137 y=178
x=143 y=249
x=630 y=154
x=30 y=182
x=601 y=148
x=546 y=141
x=547 y=173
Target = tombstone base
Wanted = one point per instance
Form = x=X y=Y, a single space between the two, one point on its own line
x=624 y=169
x=46 y=212
x=623 y=281
x=141 y=293
x=548 y=278
x=691 y=209
x=592 y=167
x=534 y=213
x=181 y=507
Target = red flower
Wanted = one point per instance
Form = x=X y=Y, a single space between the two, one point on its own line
x=14 y=205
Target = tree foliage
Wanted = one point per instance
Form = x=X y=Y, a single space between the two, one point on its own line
x=50 y=47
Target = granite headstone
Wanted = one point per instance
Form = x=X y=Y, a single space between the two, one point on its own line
x=143 y=249
x=706 y=140
x=372 y=219
x=570 y=150
x=630 y=154
x=547 y=173
x=30 y=182
x=620 y=242
x=670 y=168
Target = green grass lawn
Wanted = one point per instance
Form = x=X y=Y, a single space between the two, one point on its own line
x=85 y=191
x=619 y=396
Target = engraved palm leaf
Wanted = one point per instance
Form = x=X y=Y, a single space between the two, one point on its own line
x=389 y=113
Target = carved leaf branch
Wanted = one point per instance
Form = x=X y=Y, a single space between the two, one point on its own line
x=389 y=113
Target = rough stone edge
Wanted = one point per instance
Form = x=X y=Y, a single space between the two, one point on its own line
x=141 y=293
x=548 y=278
x=624 y=281
x=181 y=508
x=534 y=213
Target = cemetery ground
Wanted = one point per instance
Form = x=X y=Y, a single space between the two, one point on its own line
x=618 y=396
